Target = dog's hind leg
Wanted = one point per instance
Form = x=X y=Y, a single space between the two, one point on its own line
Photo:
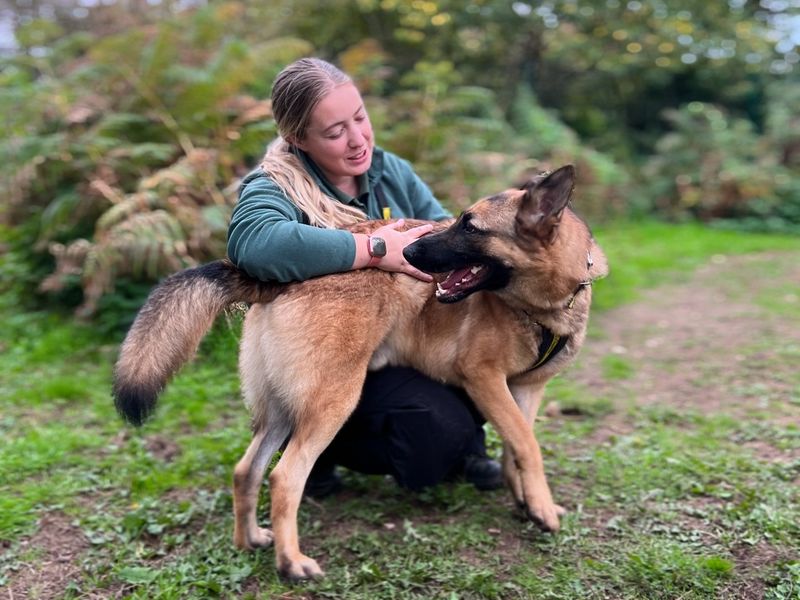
x=491 y=395
x=248 y=476
x=321 y=418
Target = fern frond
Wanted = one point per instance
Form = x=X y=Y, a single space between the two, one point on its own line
x=131 y=205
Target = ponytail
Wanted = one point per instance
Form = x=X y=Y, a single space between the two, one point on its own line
x=286 y=169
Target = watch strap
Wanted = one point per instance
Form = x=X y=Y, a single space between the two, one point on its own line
x=373 y=260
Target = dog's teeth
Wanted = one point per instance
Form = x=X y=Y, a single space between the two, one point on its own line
x=476 y=269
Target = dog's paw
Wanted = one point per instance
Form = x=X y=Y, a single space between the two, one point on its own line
x=302 y=568
x=253 y=539
x=546 y=517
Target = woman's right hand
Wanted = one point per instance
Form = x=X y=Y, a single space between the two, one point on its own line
x=396 y=241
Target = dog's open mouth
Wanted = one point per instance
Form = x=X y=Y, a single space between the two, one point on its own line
x=460 y=282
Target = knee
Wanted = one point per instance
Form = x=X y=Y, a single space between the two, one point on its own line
x=452 y=419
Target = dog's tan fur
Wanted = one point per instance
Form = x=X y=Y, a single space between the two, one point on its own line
x=307 y=346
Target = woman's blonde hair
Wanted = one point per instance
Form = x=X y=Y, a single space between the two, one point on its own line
x=297 y=90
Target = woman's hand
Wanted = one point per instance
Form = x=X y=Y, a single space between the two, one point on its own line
x=394 y=260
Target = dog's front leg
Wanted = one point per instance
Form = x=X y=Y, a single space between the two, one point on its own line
x=529 y=398
x=493 y=398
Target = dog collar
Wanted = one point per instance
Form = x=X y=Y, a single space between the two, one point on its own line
x=550 y=345
x=582 y=284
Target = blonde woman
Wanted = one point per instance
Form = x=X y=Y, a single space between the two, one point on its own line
x=325 y=172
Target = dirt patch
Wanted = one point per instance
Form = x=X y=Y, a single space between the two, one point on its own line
x=696 y=345
x=751 y=563
x=706 y=345
x=162 y=448
x=768 y=452
x=49 y=559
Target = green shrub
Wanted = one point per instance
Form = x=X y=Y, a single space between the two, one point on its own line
x=601 y=181
x=120 y=166
x=715 y=167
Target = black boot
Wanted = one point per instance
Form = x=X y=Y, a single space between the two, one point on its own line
x=322 y=483
x=483 y=472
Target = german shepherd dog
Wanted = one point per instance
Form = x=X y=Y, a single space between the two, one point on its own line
x=508 y=312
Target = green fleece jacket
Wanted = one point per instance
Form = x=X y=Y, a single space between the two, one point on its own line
x=269 y=237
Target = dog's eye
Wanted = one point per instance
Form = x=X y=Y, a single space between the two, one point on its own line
x=469 y=227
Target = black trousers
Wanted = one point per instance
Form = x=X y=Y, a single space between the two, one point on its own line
x=409 y=426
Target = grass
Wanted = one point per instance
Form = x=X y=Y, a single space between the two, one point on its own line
x=663 y=503
x=645 y=254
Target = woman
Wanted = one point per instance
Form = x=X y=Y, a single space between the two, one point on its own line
x=323 y=173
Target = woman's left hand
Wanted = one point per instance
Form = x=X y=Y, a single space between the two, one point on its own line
x=396 y=241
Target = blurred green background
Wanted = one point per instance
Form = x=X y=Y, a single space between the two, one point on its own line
x=126 y=125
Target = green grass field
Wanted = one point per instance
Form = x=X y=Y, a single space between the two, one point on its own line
x=664 y=501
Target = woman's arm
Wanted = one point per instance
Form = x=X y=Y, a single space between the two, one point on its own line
x=267 y=239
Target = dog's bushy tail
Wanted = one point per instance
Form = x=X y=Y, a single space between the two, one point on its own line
x=169 y=327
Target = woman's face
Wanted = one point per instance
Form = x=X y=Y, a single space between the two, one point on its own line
x=339 y=135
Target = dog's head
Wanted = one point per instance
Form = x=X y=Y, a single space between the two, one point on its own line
x=511 y=235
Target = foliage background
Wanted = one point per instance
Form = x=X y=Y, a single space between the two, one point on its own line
x=127 y=124
x=125 y=127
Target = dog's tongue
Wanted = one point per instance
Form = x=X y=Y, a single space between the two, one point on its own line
x=455 y=277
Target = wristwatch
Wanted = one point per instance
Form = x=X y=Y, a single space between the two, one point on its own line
x=376 y=246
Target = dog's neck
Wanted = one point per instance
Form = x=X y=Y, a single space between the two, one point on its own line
x=531 y=310
x=552 y=342
x=585 y=283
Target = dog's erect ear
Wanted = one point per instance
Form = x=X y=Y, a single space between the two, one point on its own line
x=543 y=204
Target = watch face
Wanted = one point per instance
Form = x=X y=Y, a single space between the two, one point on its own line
x=377 y=246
